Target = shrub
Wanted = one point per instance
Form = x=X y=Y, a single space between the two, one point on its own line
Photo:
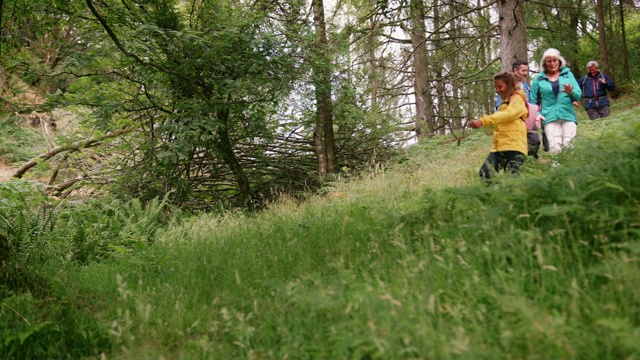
x=97 y=230
x=31 y=328
x=25 y=214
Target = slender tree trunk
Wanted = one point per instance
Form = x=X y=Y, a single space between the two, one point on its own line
x=573 y=39
x=323 y=137
x=486 y=52
x=603 y=38
x=438 y=66
x=626 y=71
x=513 y=37
x=374 y=71
x=1 y=35
x=456 y=109
x=224 y=147
x=421 y=67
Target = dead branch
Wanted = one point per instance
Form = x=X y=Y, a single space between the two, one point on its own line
x=78 y=145
x=64 y=186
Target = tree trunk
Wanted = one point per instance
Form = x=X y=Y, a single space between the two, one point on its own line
x=486 y=52
x=225 y=149
x=603 y=38
x=438 y=66
x=374 y=71
x=626 y=71
x=1 y=34
x=513 y=37
x=421 y=68
x=323 y=137
x=456 y=109
x=573 y=40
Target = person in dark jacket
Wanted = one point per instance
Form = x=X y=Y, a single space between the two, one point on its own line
x=594 y=87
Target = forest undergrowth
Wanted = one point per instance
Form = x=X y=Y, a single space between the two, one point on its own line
x=414 y=260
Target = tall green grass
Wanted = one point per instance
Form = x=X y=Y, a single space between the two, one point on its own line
x=39 y=319
x=416 y=261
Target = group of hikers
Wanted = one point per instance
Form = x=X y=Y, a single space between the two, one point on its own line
x=552 y=95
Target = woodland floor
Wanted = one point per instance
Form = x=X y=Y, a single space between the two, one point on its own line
x=5 y=171
x=65 y=123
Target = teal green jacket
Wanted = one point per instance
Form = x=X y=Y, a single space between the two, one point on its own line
x=555 y=108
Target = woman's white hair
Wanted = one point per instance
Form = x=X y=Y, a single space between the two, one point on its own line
x=552 y=53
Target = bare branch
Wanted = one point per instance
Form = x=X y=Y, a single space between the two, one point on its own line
x=78 y=145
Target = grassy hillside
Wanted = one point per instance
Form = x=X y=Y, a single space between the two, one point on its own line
x=415 y=261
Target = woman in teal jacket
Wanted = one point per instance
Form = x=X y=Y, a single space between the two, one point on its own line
x=555 y=90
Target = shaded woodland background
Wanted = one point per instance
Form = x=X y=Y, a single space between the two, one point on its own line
x=231 y=103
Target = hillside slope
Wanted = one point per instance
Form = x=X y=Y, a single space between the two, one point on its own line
x=416 y=261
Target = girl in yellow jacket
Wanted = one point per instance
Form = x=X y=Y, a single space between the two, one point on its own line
x=510 y=131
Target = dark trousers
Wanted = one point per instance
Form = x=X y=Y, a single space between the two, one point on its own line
x=598 y=112
x=533 y=142
x=545 y=141
x=509 y=161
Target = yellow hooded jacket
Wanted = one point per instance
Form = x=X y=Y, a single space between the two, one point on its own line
x=510 y=130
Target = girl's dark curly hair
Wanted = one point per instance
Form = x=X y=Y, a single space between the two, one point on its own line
x=510 y=79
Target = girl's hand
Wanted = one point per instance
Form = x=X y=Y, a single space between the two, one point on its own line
x=476 y=124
